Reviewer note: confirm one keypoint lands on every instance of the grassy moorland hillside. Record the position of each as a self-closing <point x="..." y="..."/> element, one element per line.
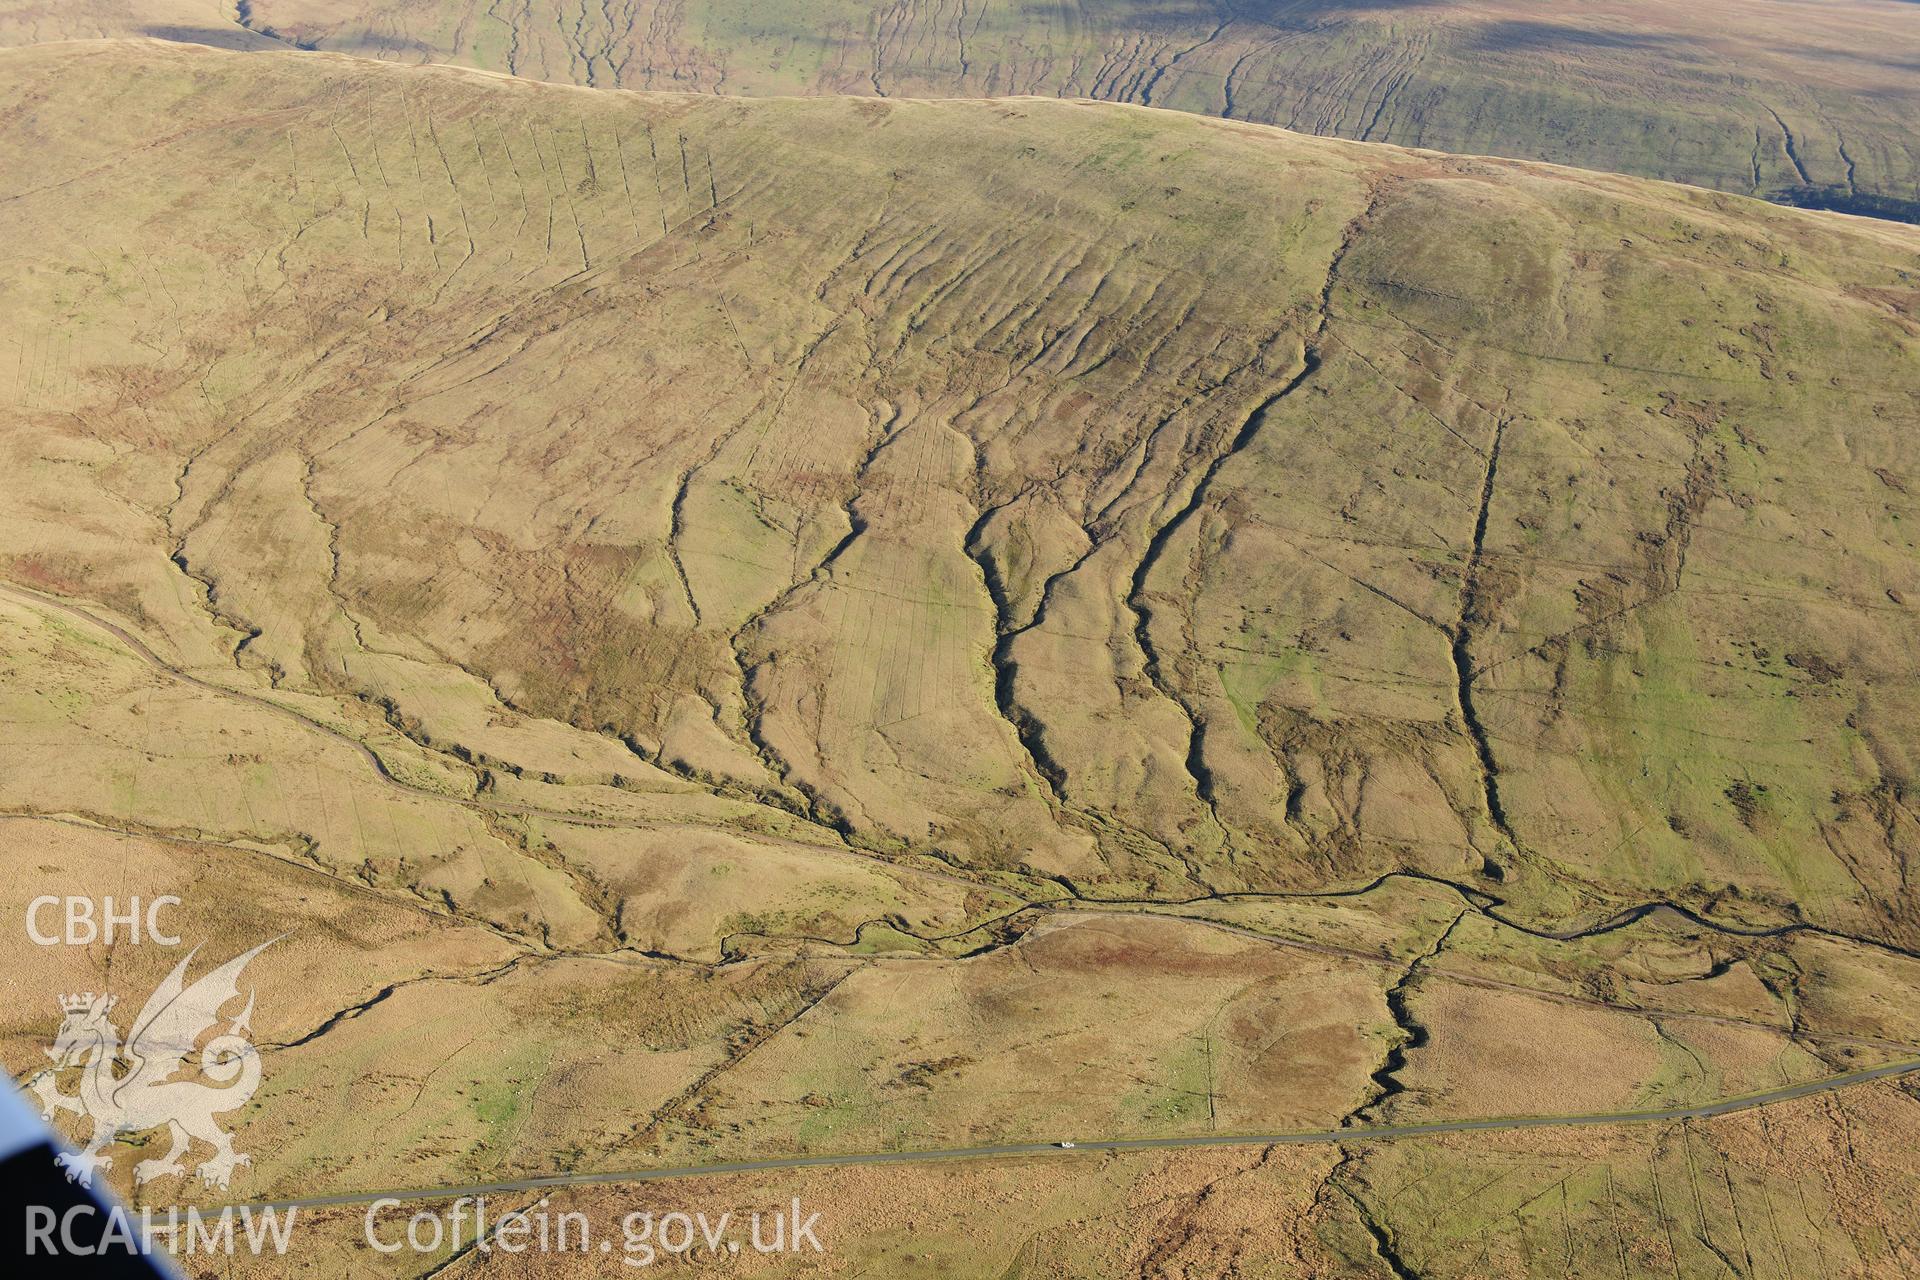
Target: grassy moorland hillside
<point x="1806" y="101"/>
<point x="1113" y="621"/>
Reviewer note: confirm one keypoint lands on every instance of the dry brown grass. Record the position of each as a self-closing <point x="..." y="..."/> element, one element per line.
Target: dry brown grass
<point x="702" y="583"/>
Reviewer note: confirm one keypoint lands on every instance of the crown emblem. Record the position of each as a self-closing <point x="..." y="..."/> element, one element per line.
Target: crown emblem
<point x="130" y="1087"/>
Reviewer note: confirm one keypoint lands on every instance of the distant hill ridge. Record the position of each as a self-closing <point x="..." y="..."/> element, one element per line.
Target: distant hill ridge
<point x="1809" y="104"/>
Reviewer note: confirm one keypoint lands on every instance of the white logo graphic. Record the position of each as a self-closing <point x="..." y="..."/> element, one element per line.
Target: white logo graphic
<point x="147" y="1096"/>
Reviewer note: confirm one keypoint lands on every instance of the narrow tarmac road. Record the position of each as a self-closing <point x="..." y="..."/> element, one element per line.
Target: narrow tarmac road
<point x="1373" y="1133"/>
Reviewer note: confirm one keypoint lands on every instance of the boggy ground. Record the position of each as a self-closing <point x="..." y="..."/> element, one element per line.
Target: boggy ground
<point x="726" y="627"/>
<point x="1813" y="1188"/>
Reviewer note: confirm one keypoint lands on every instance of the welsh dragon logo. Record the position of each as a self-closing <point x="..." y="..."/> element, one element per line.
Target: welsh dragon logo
<point x="132" y="1088"/>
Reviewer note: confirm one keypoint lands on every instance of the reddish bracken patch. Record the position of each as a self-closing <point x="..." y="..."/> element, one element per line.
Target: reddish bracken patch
<point x="35" y="570"/>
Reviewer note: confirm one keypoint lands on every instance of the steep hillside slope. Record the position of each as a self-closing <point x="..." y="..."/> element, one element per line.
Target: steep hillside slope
<point x="928" y="469"/>
<point x="1806" y="101"/>
<point x="728" y="628"/>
